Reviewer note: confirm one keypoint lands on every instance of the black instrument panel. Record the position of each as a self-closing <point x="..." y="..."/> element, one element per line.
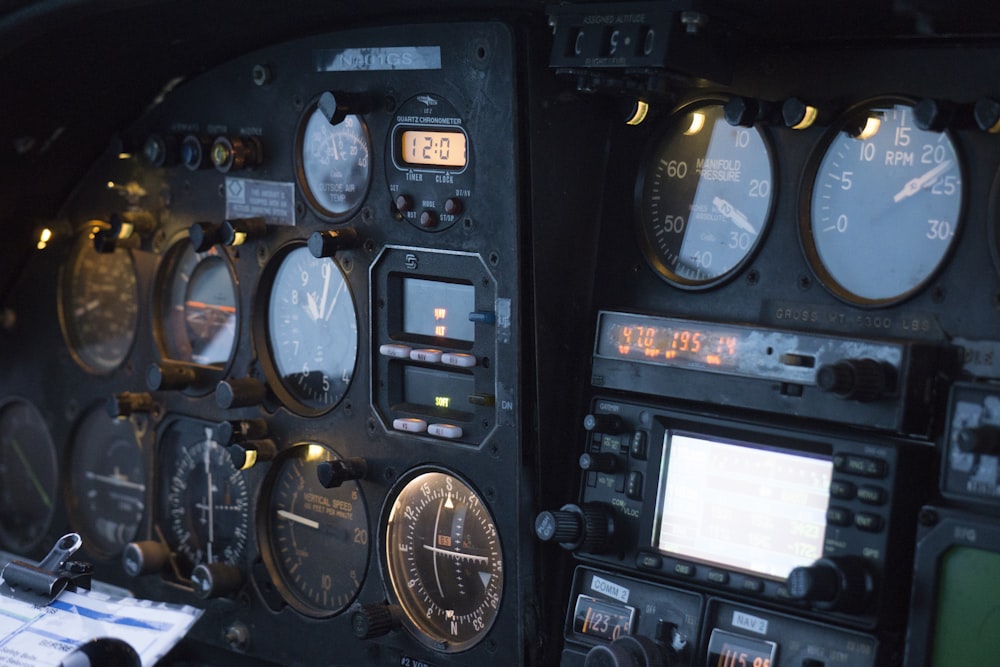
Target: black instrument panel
<point x="388" y="338"/>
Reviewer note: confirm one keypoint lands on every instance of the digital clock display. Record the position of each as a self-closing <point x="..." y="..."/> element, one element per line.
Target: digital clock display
<point x="727" y="649"/>
<point x="434" y="148"/>
<point x="672" y="342"/>
<point x="602" y="619"/>
<point x="742" y="506"/>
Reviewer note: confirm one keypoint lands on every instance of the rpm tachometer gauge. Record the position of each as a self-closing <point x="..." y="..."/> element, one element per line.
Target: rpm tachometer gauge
<point x="885" y="204"/>
<point x="705" y="198"/>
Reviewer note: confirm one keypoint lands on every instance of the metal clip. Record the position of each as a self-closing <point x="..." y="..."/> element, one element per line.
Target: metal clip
<point x="44" y="582"/>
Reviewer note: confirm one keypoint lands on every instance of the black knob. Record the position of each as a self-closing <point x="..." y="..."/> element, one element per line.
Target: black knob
<point x="986" y="112"/>
<point x="588" y="528"/>
<point x="239" y="393"/>
<point x="983" y="439"/>
<point x="857" y="379"/>
<point x="797" y="115"/>
<point x="333" y="473"/>
<point x="213" y="580"/>
<point x="939" y="115"/>
<point x="103" y="652"/>
<point x="249" y="453"/>
<point x="839" y="584"/>
<point x="747" y="111"/>
<point x="602" y="423"/>
<point x="326" y="244"/>
<point x="336" y="106"/>
<point x="127" y="403"/>
<point x="374" y="620"/>
<point x="106" y="241"/>
<point x="598" y="462"/>
<point x="169" y="375"/>
<point x="627" y="651"/>
<point x="204" y="235"/>
<point x="238" y="231"/>
<point x="240" y="430"/>
<point x="128" y="223"/>
<point x="145" y="557"/>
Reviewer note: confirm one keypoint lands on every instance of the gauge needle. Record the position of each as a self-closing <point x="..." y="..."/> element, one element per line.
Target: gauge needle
<point x="914" y="185"/>
<point x="333" y="304"/>
<point x="211" y="499"/>
<point x="31" y="473"/>
<point x="736" y="216"/>
<point x="326" y="290"/>
<point x="311" y="307"/>
<point x="285" y="514"/>
<point x="115" y="481"/>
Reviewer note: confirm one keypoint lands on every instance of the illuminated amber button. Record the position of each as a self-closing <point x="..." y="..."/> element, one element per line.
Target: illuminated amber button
<point x="449" y="431"/>
<point x="428" y="355"/>
<point x="409" y="424"/>
<point x="396" y="351"/>
<point x="459" y="359"/>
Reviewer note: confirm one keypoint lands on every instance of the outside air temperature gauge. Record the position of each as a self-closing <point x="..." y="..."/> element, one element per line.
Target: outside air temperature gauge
<point x="333" y="163"/>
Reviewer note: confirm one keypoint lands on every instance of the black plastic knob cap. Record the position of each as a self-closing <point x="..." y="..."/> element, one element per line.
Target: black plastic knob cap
<point x="857" y="379"/>
<point x="239" y="393"/>
<point x="103" y="652"/>
<point x="627" y="651"/>
<point x="327" y="243"/>
<point x="127" y="403"/>
<point x="204" y="235"/>
<point x="983" y="439"/>
<point x="838" y="584"/>
<point x="240" y="230"/>
<point x="598" y="462"/>
<point x="559" y="526"/>
<point x="213" y="580"/>
<point x="588" y="528"/>
<point x="169" y="375"/>
<point x="145" y="557"/>
<point x="814" y="583"/>
<point x="332" y="474"/>
<point x="374" y="620"/>
<point x="602" y="423"/>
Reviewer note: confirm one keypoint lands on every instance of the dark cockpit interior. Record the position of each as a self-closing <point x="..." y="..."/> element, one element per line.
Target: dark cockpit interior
<point x="652" y="334"/>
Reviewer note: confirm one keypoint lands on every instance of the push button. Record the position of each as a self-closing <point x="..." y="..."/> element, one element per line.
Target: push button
<point x="838" y="516"/>
<point x="450" y="431"/>
<point x="427" y="355"/>
<point x="395" y="351"/>
<point x="409" y="424"/>
<point x="459" y="359"/>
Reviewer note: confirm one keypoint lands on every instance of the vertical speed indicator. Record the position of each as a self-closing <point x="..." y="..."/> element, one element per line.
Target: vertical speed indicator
<point x="705" y="198"/>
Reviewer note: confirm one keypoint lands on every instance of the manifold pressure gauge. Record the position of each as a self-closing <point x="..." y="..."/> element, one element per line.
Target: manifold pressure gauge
<point x="705" y="198"/>
<point x="444" y="560"/>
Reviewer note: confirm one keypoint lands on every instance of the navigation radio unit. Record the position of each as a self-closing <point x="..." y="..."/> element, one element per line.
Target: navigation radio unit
<point x="804" y="521"/>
